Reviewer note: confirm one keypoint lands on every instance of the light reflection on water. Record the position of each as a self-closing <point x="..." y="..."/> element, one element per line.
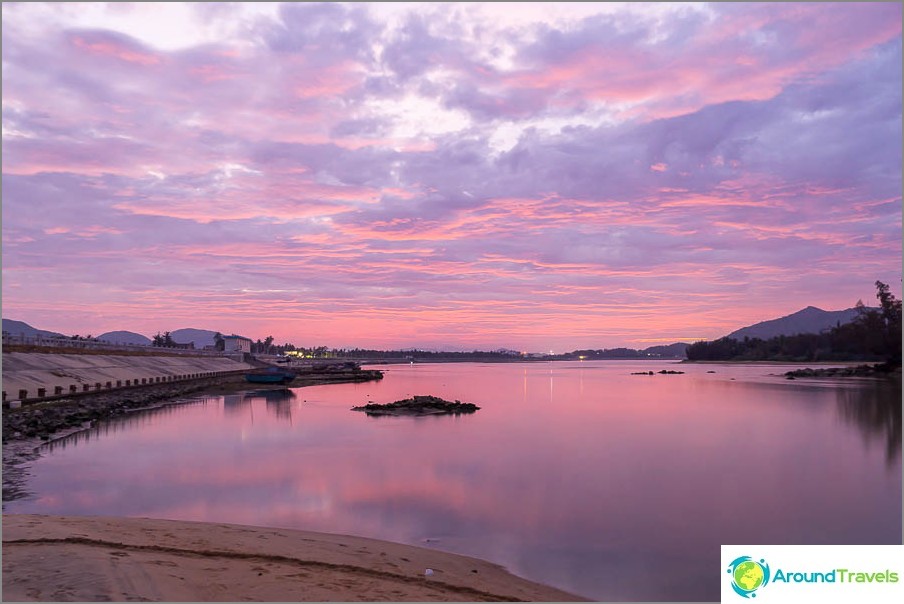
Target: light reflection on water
<point x="575" y="474"/>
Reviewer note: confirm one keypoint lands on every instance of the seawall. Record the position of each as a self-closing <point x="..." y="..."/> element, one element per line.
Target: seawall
<point x="35" y="376"/>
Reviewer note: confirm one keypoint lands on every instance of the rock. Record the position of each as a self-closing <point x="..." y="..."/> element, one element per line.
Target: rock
<point x="858" y="371"/>
<point x="419" y="405"/>
<point x="663" y="372"/>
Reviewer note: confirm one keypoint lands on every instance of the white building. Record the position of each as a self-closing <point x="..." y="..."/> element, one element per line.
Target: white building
<point x="236" y="344"/>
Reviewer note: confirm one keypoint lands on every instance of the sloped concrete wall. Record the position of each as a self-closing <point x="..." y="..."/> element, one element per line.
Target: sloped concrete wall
<point x="33" y="371"/>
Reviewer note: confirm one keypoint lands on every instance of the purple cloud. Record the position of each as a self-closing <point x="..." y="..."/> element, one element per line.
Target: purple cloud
<point x="400" y="176"/>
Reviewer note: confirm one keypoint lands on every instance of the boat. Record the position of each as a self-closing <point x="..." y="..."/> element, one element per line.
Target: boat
<point x="270" y="375"/>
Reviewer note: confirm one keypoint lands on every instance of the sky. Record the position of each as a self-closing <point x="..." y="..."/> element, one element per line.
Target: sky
<point x="452" y="176"/>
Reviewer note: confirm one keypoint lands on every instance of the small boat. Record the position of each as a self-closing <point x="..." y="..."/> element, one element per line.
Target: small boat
<point x="270" y="375"/>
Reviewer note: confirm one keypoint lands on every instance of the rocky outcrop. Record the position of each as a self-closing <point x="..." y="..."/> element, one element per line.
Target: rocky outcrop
<point x="419" y="405"/>
<point x="662" y="372"/>
<point x="858" y="371"/>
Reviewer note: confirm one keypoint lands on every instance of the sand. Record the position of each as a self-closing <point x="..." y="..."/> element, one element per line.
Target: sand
<point x="67" y="558"/>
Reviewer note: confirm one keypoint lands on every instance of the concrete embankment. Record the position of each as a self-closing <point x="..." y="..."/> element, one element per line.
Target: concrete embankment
<point x="37" y="376"/>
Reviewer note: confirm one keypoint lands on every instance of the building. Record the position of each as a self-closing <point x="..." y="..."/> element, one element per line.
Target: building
<point x="236" y="344"/>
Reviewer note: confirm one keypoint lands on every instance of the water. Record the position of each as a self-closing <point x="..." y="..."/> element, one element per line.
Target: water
<point x="579" y="475"/>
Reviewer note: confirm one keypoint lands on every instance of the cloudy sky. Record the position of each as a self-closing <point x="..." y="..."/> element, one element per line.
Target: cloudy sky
<point x="536" y="177"/>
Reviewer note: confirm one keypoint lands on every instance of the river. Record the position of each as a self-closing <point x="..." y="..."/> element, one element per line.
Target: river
<point x="576" y="474"/>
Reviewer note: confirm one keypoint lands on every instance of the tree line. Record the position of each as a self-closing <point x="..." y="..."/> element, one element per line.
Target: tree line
<point x="873" y="336"/>
<point x="423" y="355"/>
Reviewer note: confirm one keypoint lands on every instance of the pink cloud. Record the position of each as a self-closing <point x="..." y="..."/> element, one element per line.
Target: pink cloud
<point x="733" y="59"/>
<point x="115" y="49"/>
<point x="643" y="183"/>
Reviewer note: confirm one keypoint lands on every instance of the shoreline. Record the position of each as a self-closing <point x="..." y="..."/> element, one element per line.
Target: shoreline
<point x="832" y="363"/>
<point x="61" y="413"/>
<point x="48" y="557"/>
<point x="93" y="558"/>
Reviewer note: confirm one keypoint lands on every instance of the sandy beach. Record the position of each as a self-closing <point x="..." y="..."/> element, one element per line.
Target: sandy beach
<point x="57" y="558"/>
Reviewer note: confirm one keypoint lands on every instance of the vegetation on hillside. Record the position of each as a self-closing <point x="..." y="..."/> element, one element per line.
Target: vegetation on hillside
<point x="875" y="335"/>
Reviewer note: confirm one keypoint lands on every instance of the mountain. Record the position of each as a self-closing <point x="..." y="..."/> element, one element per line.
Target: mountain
<point x="200" y="337"/>
<point x="124" y="337"/>
<point x="808" y="320"/>
<point x="17" y="328"/>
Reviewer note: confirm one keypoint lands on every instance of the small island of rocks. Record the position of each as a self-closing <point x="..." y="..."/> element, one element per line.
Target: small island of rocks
<point x="878" y="370"/>
<point x="419" y="405"/>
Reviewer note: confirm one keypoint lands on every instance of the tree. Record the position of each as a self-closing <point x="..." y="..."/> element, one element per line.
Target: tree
<point x="891" y="318"/>
<point x="267" y="342"/>
<point x="163" y="340"/>
<point x="218" y="341"/>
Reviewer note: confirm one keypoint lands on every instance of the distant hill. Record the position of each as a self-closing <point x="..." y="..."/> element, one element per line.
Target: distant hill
<point x="808" y="320"/>
<point x="125" y="337"/>
<point x="18" y="328"/>
<point x="200" y="337"/>
<point x="676" y="350"/>
<point x="672" y="351"/>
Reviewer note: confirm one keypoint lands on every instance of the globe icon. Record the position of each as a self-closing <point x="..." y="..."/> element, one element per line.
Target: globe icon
<point x="748" y="575"/>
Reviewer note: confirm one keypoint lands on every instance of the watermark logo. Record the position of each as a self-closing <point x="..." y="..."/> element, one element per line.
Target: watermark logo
<point x="817" y="573"/>
<point x="748" y="575"/>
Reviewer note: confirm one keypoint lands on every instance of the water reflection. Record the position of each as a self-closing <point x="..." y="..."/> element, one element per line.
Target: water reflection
<point x="621" y="489"/>
<point x="135" y="420"/>
<point x="875" y="408"/>
<point x="278" y="404"/>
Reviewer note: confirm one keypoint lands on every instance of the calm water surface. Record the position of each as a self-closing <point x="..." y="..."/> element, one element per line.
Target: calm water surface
<point x="580" y="475"/>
